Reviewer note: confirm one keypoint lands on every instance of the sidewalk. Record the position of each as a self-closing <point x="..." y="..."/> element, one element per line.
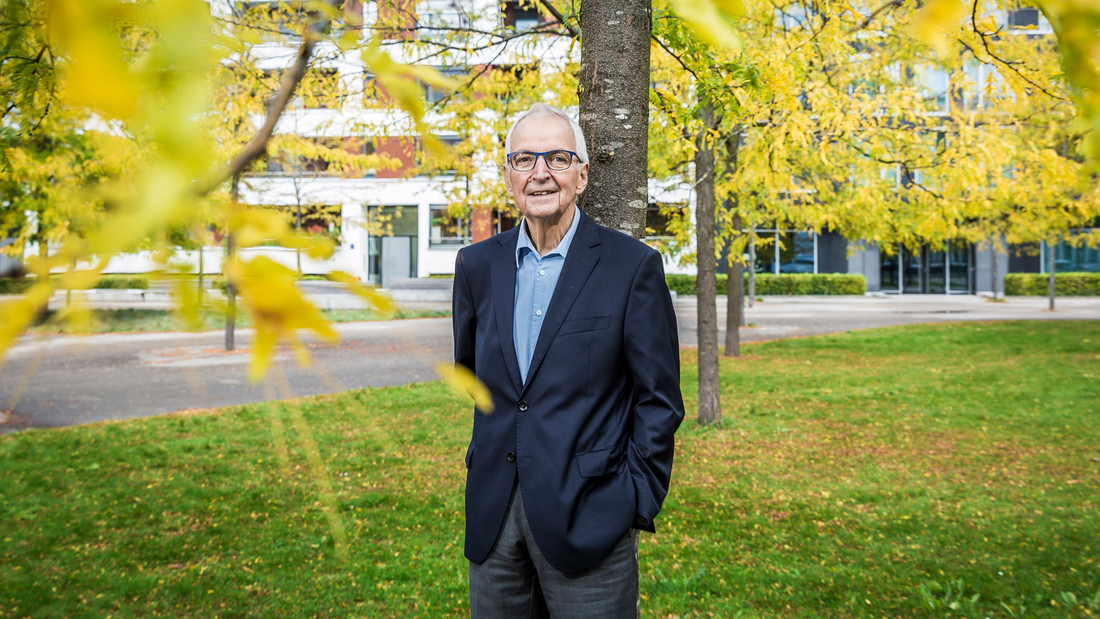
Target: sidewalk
<point x="780" y="317"/>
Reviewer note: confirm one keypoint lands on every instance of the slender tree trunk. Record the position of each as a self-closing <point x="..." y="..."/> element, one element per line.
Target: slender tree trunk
<point x="735" y="285"/>
<point x="202" y="254"/>
<point x="298" y="230"/>
<point x="230" y="289"/>
<point x="710" y="409"/>
<point x="735" y="298"/>
<point x="993" y="252"/>
<point x="1053" y="249"/>
<point x="752" y="270"/>
<point x="614" y="110"/>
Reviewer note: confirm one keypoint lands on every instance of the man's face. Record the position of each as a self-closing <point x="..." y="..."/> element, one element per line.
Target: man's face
<point x="542" y="193"/>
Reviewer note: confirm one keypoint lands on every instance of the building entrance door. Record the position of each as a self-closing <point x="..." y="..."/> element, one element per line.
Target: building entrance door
<point x="391" y="244"/>
<point x="928" y="271"/>
<point x="396" y="263"/>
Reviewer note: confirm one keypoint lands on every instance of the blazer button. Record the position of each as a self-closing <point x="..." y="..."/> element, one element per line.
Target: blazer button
<point x="522" y="406"/>
<point x="511" y="457"/>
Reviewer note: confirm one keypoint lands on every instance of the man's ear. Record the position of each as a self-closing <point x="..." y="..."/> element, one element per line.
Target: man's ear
<point x="582" y="182"/>
<point x="507" y="177"/>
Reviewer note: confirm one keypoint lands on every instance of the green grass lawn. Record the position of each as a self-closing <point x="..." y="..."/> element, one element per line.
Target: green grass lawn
<point x="941" y="471"/>
<point x="147" y="320"/>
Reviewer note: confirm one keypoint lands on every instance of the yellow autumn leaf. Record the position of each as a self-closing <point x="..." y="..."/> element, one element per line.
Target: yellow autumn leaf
<point x="77" y="315"/>
<point x="78" y="280"/>
<point x="461" y="379"/>
<point x="17" y="314"/>
<point x="428" y="75"/>
<point x="934" y="23"/>
<point x="256" y="226"/>
<point x="435" y="146"/>
<point x="277" y="308"/>
<point x="380" y="302"/>
<point x="319" y="248"/>
<point x="708" y="21"/>
<point x="95" y="74"/>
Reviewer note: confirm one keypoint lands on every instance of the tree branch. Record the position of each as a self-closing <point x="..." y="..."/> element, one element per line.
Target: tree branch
<point x="258" y="144"/>
<point x="870" y="18"/>
<point x="561" y="19"/>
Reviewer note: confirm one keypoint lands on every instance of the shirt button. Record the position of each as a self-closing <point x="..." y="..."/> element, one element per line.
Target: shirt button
<point x="522" y="406"/>
<point x="511" y="457"/>
<point x="538" y="312"/>
<point x="542" y="271"/>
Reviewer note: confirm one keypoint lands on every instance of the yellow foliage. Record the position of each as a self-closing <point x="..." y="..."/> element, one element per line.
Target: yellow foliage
<point x="709" y="20"/>
<point x="460" y="378"/>
<point x="380" y="302"/>
<point x="935" y="23"/>
<point x="277" y="308"/>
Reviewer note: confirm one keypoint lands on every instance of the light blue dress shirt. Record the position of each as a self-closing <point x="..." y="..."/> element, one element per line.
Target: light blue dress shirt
<point x="536" y="277"/>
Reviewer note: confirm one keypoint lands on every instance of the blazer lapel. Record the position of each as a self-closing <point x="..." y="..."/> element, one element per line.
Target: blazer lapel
<point x="579" y="262"/>
<point x="503" y="284"/>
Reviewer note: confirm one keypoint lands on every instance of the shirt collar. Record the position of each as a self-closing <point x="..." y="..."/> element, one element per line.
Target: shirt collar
<point x="562" y="249"/>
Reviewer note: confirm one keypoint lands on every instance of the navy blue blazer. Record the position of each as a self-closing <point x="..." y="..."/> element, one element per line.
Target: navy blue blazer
<point x="590" y="434"/>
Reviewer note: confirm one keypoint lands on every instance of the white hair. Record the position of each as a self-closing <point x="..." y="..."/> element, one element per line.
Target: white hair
<point x="542" y="109"/>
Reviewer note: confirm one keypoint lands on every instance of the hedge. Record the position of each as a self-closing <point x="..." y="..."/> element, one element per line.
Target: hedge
<point x="107" y="282"/>
<point x="784" y="284"/>
<point x="1065" y="284"/>
<point x="122" y="282"/>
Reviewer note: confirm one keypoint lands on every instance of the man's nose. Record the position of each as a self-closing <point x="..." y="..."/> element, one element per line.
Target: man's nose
<point x="541" y="169"/>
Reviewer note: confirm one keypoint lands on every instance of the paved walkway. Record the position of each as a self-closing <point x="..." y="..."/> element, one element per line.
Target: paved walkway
<point x="50" y="381"/>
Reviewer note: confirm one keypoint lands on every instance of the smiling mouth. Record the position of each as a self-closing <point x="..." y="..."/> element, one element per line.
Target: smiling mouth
<point x="542" y="193"/>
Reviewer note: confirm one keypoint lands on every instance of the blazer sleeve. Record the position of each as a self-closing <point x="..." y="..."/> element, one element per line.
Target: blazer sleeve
<point x="653" y="359"/>
<point x="463" y="317"/>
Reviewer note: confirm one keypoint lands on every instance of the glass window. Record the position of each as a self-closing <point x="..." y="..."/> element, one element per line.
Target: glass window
<point x="1069" y="259"/>
<point x="447" y="229"/>
<point x="504" y="221"/>
<point x="933" y="89"/>
<point x="389" y="225"/>
<point x="889" y="272"/>
<point x="661" y="219"/>
<point x="959" y="265"/>
<point x="765" y="248"/>
<point x="796" y="252"/>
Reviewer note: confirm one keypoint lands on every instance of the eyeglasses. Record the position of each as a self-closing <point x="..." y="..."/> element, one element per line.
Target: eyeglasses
<point x="557" y="160"/>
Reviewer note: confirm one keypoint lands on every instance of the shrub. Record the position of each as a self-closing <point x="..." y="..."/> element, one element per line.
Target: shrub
<point x="10" y="285"/>
<point x="784" y="284"/>
<point x="1065" y="284"/>
<point x="122" y="282"/>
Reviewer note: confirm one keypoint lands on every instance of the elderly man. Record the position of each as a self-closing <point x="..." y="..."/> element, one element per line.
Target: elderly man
<point x="571" y="327"/>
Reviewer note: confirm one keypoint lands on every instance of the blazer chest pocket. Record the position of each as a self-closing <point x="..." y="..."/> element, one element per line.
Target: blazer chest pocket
<point x="601" y="461"/>
<point x="581" y="325"/>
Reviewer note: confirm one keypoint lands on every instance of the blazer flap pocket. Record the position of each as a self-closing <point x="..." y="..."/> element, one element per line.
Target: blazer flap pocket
<point x="601" y="461"/>
<point x="579" y="325"/>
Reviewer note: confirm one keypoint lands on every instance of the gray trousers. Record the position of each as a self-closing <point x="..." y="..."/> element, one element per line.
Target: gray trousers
<point x="517" y="581"/>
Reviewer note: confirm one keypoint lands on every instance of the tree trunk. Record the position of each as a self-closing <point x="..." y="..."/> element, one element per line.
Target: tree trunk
<point x="230" y="289"/>
<point x="735" y="285"/>
<point x="993" y="252"/>
<point x="735" y="298"/>
<point x="202" y="254"/>
<point x="298" y="230"/>
<point x="710" y="409"/>
<point x="752" y="270"/>
<point x="614" y="111"/>
<point x="1053" y="249"/>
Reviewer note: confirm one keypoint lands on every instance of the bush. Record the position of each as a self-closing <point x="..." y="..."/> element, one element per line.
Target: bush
<point x="9" y="285"/>
<point x="785" y="284"/>
<point x="1065" y="284"/>
<point x="122" y="282"/>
